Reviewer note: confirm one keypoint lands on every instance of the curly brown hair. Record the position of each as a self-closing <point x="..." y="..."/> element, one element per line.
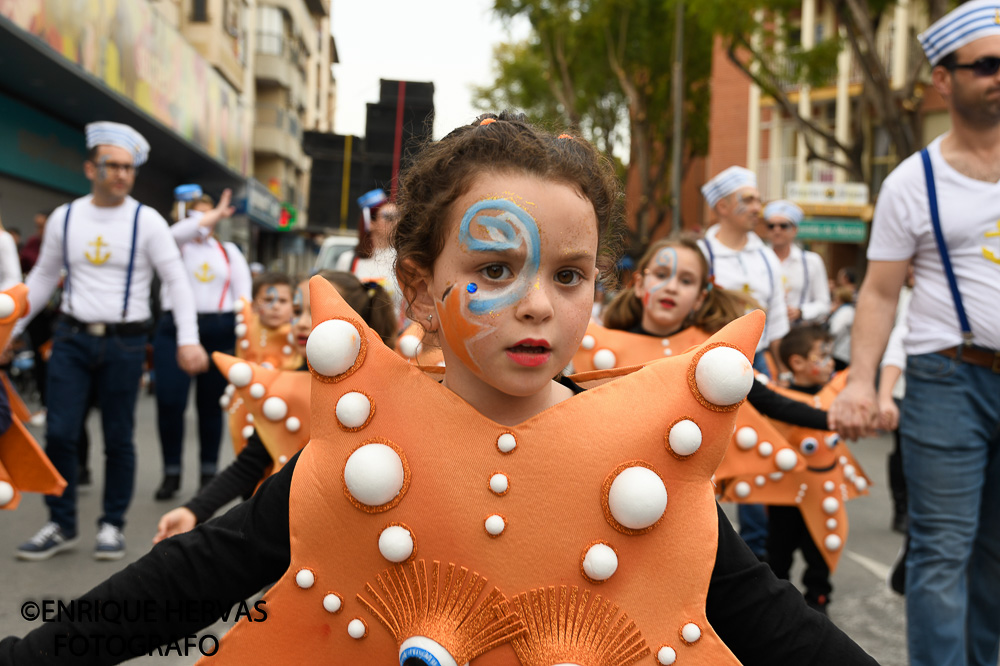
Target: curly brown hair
<point x="443" y="171"/>
<point x="720" y="306"/>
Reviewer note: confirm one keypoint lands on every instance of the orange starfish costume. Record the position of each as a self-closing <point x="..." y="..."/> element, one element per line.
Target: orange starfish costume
<point x="24" y="467"/>
<point x="832" y="477"/>
<point x="410" y="345"/>
<point x="417" y="525"/>
<point x="278" y="401"/>
<point x="257" y="344"/>
<point x="758" y="450"/>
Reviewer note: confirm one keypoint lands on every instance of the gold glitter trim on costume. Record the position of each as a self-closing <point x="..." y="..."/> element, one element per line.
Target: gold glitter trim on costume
<point x="561" y="628"/>
<point x="371" y="413"/>
<point x="362" y="350"/>
<point x="402" y="491"/>
<point x="606" y="489"/>
<point x="583" y="556"/>
<point x="693" y="382"/>
<point x="441" y="607"/>
<point x="666" y="437"/>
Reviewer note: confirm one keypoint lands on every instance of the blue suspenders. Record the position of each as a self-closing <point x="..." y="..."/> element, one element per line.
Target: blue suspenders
<point x="131" y="258"/>
<point x="767" y="264"/>
<point x="805" y="281"/>
<point x="956" y="295"/>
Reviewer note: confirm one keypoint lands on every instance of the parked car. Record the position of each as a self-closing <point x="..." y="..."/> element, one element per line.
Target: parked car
<point x="332" y="249"/>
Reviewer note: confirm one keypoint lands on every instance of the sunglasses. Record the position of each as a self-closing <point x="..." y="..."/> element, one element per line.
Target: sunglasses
<point x="985" y="66"/>
<point x="779" y="225"/>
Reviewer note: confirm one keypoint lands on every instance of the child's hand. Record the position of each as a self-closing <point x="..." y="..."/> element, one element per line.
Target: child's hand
<point x="178" y="521"/>
<point x="888" y="413"/>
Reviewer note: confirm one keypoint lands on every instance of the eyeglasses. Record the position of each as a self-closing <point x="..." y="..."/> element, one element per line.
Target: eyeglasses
<point x="985" y="66"/>
<point x="779" y="225"/>
<point x="115" y="166"/>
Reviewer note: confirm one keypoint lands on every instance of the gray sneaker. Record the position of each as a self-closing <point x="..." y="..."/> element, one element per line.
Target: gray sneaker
<point x="47" y="542"/>
<point x="110" y="543"/>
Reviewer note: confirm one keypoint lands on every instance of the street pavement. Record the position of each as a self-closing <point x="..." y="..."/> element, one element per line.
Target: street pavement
<point x="861" y="604"/>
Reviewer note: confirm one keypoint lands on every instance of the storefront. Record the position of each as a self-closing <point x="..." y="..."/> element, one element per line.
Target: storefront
<point x="837" y="221"/>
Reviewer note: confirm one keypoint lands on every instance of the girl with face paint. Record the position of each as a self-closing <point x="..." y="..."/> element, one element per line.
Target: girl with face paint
<point x="435" y="523"/>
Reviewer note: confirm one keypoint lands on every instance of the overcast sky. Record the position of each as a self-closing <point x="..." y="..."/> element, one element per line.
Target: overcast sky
<point x="447" y="42"/>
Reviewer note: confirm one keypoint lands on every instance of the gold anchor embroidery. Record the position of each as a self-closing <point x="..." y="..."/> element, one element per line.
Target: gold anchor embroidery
<point x="204" y="274"/>
<point x="97" y="258"/>
<point x="995" y="258"/>
<point x="996" y="16"/>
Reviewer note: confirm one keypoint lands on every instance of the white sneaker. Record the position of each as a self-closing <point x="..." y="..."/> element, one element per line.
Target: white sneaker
<point x="110" y="543"/>
<point x="38" y="418"/>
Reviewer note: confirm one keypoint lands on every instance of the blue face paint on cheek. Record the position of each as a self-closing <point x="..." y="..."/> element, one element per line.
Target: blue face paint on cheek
<point x="506" y="231"/>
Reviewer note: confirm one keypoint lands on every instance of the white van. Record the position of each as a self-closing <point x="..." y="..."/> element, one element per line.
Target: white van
<point x="331" y="250"/>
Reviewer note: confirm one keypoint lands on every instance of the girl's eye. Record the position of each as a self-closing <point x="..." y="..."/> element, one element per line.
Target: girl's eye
<point x="568" y="277"/>
<point x="497" y="272"/>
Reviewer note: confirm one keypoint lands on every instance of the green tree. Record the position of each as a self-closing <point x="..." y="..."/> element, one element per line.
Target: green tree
<point x="762" y="40"/>
<point x="604" y="68"/>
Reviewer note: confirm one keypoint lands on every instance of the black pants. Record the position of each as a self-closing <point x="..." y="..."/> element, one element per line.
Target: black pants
<point x="786" y="533"/>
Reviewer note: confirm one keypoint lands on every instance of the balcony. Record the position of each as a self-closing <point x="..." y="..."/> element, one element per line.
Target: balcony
<point x="280" y="61"/>
<point x="277" y="131"/>
<point x="770" y="189"/>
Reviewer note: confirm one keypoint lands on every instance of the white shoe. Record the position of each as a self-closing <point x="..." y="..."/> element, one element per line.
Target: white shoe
<point x="110" y="543"/>
<point x="38" y="418"/>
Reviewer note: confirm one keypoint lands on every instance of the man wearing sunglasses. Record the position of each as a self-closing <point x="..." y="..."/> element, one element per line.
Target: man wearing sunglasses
<point x="106" y="246"/>
<point x="803" y="273"/>
<point x="942" y="209"/>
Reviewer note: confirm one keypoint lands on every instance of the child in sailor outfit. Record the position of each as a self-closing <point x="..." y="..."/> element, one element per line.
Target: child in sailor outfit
<point x="383" y="530"/>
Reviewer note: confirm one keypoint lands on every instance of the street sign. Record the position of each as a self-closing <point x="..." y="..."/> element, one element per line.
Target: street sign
<point x="833" y="230"/>
<point x="844" y="194"/>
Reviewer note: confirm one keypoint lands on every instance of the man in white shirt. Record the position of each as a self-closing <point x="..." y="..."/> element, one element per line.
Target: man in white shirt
<point x="803" y="273"/>
<point x="941" y="208"/>
<point x="738" y="258"/>
<point x="739" y="261"/>
<point x="107" y="245"/>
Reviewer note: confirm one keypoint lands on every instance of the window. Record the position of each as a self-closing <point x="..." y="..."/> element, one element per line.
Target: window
<point x="199" y="11"/>
<point x="270" y="30"/>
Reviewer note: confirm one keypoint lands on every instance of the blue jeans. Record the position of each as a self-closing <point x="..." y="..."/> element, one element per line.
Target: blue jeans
<point x="172" y="386"/>
<point x="753" y="517"/>
<point x="113" y="367"/>
<point x="950" y="434"/>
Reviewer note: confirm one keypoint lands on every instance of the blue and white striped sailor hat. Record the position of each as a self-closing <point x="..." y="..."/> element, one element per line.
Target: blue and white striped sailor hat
<point x="966" y="23"/>
<point x="784" y="208"/>
<point x="727" y="182"/>
<point x="107" y="133"/>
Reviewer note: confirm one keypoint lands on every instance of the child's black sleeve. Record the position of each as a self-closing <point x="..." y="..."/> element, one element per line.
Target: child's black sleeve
<point x="238" y="480"/>
<point x="764" y="620"/>
<point x="181" y="586"/>
<point x="5" y="416"/>
<point x="780" y="408"/>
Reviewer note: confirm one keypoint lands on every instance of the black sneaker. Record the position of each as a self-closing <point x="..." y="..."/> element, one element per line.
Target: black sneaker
<point x="897" y="574"/>
<point x="110" y="543"/>
<point x="47" y="542"/>
<point x="818" y="604"/>
<point x="171" y="484"/>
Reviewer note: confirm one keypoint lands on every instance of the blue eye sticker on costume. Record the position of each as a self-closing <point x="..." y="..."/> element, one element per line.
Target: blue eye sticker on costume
<point x="506" y="231"/>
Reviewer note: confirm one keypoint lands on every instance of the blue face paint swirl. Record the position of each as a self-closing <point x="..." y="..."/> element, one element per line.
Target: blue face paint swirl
<point x="506" y="232"/>
<point x="665" y="258"/>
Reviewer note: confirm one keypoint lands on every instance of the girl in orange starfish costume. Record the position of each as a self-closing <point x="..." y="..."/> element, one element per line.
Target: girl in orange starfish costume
<point x="501" y="516"/>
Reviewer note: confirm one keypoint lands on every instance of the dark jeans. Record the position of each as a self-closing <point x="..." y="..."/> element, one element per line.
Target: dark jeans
<point x="787" y="532"/>
<point x="112" y="366"/>
<point x="172" y="384"/>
